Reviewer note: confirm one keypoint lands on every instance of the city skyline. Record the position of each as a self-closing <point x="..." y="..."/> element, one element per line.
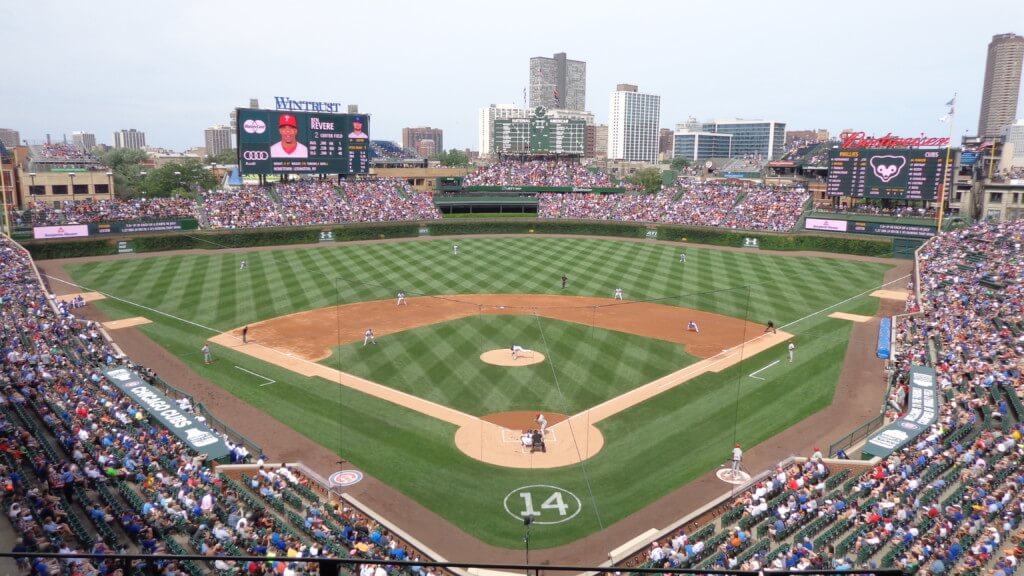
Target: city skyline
<point x="881" y="68"/>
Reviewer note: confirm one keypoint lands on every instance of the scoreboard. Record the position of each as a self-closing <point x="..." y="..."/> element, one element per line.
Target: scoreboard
<point x="539" y="134"/>
<point x="286" y="142"/>
<point x="886" y="173"/>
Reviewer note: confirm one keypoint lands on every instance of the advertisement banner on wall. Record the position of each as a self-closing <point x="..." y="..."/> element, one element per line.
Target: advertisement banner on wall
<point x="186" y="427"/>
<point x="68" y="231"/>
<point x="826" y="225"/>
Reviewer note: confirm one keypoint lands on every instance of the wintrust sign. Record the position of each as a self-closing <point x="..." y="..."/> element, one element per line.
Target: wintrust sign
<point x="286" y="103"/>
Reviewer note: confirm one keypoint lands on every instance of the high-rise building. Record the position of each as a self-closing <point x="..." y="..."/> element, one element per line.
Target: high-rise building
<point x="1002" y="84"/>
<point x="697" y="145"/>
<point x="130" y="138"/>
<point x="1013" y="136"/>
<point x="425" y="148"/>
<point x="218" y="139"/>
<point x="83" y="140"/>
<point x="411" y="137"/>
<point x="764" y="139"/>
<point x="633" y="124"/>
<point x="601" y="141"/>
<point x="557" y="83"/>
<point x="10" y="137"/>
<point x="665" y="142"/>
<point x="485" y="123"/>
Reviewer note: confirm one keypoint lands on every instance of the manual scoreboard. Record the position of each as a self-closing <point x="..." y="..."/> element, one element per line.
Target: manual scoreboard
<point x="539" y="134"/>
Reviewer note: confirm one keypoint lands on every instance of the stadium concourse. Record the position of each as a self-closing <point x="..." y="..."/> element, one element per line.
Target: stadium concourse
<point x="85" y="470"/>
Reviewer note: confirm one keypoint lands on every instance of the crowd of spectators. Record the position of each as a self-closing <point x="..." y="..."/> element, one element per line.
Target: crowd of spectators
<point x="85" y="469"/>
<point x="555" y="173"/>
<point x="711" y="203"/>
<point x="62" y="151"/>
<point x="879" y="209"/>
<point x="319" y="202"/>
<point x="950" y="501"/>
<point x="105" y="210"/>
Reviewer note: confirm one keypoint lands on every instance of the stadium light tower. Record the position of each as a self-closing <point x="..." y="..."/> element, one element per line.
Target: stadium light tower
<point x="110" y="185"/>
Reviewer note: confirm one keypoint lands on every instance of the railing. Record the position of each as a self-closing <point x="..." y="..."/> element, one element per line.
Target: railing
<point x="153" y="565"/>
<point x="214" y="422"/>
<point x="862" y="432"/>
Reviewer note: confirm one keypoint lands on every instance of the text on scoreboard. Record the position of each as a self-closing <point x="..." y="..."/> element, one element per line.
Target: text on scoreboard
<point x="897" y="173"/>
<point x="278" y="142"/>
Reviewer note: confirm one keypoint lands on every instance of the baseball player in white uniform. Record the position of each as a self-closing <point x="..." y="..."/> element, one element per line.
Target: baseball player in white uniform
<point x="737" y="457"/>
<point x="243" y="265"/>
<point x="455" y="249"/>
<point x="618" y="293"/>
<point x="792" y="350"/>
<point x="368" y="337"/>
<point x="516" y="351"/>
<point x="542" y="422"/>
<point x="682" y="258"/>
<point x="692" y="327"/>
<point x="401" y="299"/>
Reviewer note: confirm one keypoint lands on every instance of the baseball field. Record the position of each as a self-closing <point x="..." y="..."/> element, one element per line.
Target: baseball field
<point x="395" y="409"/>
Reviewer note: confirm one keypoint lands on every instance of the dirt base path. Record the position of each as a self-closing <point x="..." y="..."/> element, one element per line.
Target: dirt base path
<point x="857" y="400"/>
<point x="298" y="341"/>
<point x="313" y="334"/>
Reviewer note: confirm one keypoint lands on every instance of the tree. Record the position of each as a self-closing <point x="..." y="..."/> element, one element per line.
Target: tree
<point x="649" y="178"/>
<point x="679" y="164"/>
<point x="126" y="164"/>
<point x="229" y="156"/>
<point x="452" y="157"/>
<point x="178" y="179"/>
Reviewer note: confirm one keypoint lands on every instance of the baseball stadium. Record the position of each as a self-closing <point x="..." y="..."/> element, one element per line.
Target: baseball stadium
<point x="311" y="375"/>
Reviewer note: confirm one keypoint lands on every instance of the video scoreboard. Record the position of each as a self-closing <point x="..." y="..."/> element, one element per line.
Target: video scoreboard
<point x="286" y="142"/>
<point x="539" y="134"/>
<point x="886" y="173"/>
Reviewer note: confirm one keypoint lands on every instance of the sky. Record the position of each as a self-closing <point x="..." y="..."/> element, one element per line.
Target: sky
<point x="172" y="69"/>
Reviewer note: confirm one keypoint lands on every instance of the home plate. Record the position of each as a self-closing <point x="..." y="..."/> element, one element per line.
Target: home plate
<point x="737" y="477"/>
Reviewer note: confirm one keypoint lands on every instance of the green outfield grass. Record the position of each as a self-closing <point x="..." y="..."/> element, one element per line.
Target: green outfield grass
<point x="650" y="449"/>
<point x="584" y="366"/>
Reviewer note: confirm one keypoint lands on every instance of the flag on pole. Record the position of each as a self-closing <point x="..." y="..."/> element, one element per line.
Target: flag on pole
<point x="524" y="96"/>
<point x="952" y="110"/>
<point x="557" y="102"/>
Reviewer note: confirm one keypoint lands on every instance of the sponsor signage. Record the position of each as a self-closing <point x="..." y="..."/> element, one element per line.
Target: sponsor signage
<point x="875" y="228"/>
<point x="67" y="231"/>
<point x="286" y="103"/>
<point x="781" y="164"/>
<point x="968" y="158"/>
<point x="144" y="226"/>
<point x="195" y="434"/>
<point x="860" y="140"/>
<point x="125" y="247"/>
<point x="922" y="412"/>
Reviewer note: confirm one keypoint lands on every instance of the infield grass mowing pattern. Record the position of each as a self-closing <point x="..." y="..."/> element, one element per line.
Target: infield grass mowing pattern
<point x="583" y="366"/>
<point x="650" y="449"/>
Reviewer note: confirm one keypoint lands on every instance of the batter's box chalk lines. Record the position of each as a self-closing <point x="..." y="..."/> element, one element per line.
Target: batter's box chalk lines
<point x="268" y="380"/>
<point x="515" y="436"/>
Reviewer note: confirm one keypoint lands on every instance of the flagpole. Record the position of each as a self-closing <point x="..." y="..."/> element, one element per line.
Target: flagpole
<point x="945" y="167"/>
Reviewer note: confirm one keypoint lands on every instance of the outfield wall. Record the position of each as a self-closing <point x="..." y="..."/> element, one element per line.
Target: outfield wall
<point x="220" y="239"/>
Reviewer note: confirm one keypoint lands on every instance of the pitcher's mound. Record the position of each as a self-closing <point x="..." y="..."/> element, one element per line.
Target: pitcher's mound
<point x="503" y="357"/>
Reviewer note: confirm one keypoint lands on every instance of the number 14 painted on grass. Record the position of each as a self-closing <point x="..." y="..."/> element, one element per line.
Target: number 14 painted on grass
<point x="554" y="502"/>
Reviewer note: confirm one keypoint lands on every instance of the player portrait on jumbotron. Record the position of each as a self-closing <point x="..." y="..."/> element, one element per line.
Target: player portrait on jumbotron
<point x="357" y="128"/>
<point x="289" y="146"/>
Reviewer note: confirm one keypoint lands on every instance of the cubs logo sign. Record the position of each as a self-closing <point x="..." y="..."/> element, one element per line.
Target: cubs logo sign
<point x="345" y="478"/>
<point x="887" y="167"/>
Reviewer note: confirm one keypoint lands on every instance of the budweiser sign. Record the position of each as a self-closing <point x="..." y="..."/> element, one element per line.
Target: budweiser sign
<point x="860" y="140"/>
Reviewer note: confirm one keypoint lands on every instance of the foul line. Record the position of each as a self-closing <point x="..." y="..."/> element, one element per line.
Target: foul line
<point x="763" y="369"/>
<point x="868" y="291"/>
<point x="134" y="304"/>
<point x="269" y="381"/>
